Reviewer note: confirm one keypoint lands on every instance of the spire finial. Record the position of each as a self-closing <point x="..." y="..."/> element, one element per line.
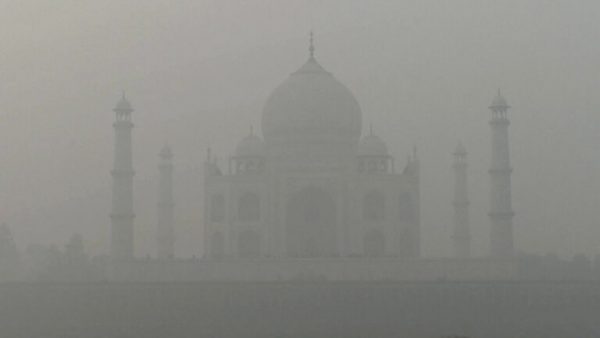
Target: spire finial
<point x="370" y="129"/>
<point x="251" y="130"/>
<point x="311" y="47"/>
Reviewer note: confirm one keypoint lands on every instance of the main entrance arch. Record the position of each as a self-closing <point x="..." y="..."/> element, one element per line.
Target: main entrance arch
<point x="311" y="224"/>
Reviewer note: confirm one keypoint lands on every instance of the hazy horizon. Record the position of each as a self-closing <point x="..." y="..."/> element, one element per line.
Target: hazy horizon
<point x="198" y="73"/>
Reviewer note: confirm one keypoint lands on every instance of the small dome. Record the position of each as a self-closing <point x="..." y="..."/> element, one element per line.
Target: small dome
<point x="499" y="102"/>
<point x="123" y="105"/>
<point x="251" y="145"/>
<point x="372" y="145"/>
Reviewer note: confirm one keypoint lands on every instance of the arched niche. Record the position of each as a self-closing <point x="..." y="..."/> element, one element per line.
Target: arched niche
<point x="249" y="207"/>
<point x="374" y="206"/>
<point x="217" y="208"/>
<point x="406" y="208"/>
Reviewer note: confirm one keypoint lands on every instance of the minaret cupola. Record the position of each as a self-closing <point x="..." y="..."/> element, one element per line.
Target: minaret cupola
<point x="123" y="109"/>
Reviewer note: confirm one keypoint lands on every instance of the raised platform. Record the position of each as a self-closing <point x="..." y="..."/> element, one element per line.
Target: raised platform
<point x="331" y="269"/>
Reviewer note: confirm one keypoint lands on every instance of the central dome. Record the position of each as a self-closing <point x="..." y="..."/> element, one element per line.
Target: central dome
<point x="311" y="103"/>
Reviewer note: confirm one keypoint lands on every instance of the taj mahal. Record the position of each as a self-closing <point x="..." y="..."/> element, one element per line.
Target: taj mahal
<point x="311" y="199"/>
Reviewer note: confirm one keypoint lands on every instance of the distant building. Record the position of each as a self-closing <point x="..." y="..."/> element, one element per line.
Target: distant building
<point x="165" y="234"/>
<point x="10" y="268"/>
<point x="313" y="187"/>
<point x="313" y="199"/>
<point x="461" y="234"/>
<point x="501" y="213"/>
<point x="122" y="216"/>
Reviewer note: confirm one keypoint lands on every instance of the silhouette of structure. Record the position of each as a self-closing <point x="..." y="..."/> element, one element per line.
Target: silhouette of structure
<point x="312" y="188"/>
<point x="461" y="234"/>
<point x="165" y="233"/>
<point x="10" y="261"/>
<point x="313" y="200"/>
<point x="501" y="213"/>
<point x="122" y="216"/>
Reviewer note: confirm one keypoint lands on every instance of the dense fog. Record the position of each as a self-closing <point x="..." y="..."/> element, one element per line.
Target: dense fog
<point x="299" y="168"/>
<point x="198" y="74"/>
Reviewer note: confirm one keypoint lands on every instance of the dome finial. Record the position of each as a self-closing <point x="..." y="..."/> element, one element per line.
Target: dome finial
<point x="311" y="47"/>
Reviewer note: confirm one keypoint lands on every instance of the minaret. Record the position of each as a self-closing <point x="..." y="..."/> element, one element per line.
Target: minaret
<point x="121" y="245"/>
<point x="311" y="47"/>
<point x="417" y="205"/>
<point x="165" y="233"/>
<point x="461" y="234"/>
<point x="501" y="213"/>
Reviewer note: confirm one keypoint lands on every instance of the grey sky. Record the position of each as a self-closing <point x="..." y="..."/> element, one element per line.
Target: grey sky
<point x="424" y="73"/>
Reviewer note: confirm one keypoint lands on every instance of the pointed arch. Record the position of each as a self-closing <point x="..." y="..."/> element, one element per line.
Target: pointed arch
<point x="249" y="207"/>
<point x="311" y="223"/>
<point x="374" y="206"/>
<point x="406" y="208"/>
<point x="217" y="208"/>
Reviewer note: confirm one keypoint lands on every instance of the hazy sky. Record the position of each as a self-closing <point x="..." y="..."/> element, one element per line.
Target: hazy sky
<point x="424" y="73"/>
